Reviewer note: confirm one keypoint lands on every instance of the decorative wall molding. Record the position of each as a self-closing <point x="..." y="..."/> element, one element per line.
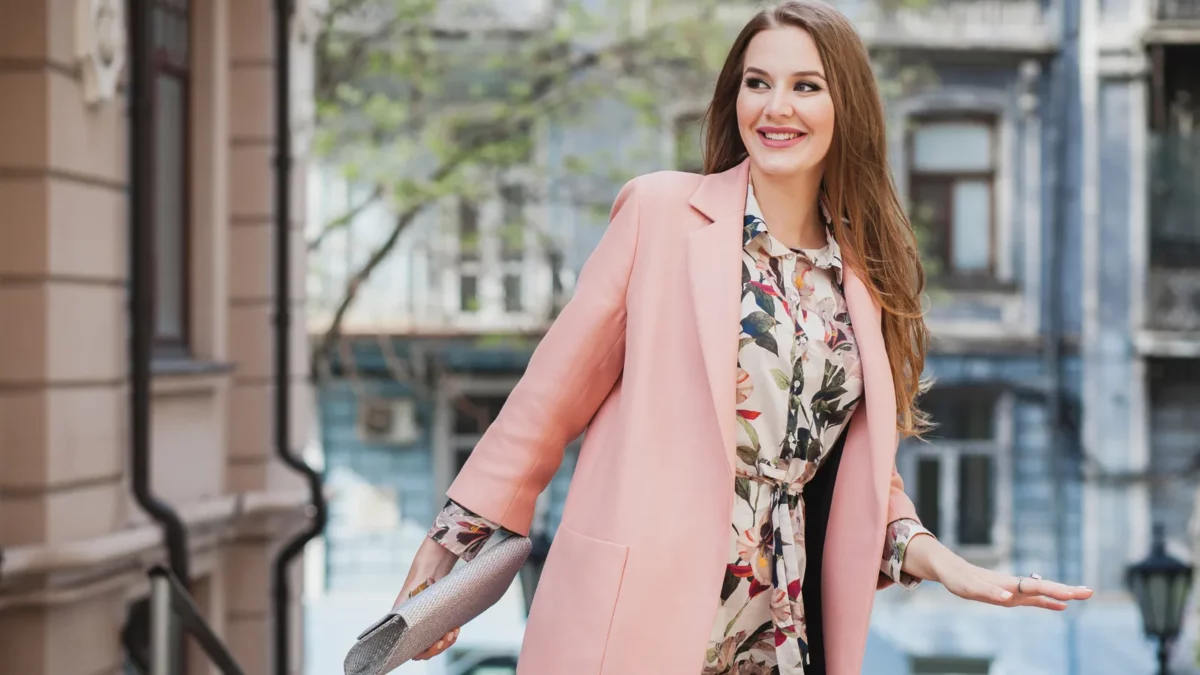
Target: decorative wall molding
<point x="100" y="47"/>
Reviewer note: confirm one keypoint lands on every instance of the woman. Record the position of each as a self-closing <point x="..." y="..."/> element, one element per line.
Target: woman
<point x="736" y="342"/>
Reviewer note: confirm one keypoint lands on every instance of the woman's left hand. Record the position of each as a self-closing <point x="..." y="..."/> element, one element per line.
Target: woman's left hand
<point x="977" y="583"/>
<point x="983" y="585"/>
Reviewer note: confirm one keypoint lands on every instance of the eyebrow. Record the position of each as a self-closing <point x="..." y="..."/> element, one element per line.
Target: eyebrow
<point x="799" y="73"/>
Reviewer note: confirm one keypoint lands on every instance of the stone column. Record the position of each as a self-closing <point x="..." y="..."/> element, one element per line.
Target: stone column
<point x="62" y="270"/>
<point x="252" y="465"/>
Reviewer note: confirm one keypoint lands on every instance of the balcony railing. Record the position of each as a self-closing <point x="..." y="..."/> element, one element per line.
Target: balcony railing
<point x="996" y="25"/>
<point x="1179" y="10"/>
<point x="173" y="612"/>
<point x="1175" y="232"/>
<point x="1018" y="25"/>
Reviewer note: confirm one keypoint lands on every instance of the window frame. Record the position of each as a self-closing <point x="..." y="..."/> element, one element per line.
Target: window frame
<point x="469" y="259"/>
<point x="916" y="177"/>
<point x="494" y="261"/>
<point x="164" y="65"/>
<point x="949" y="453"/>
<point x="449" y="443"/>
<point x="513" y="259"/>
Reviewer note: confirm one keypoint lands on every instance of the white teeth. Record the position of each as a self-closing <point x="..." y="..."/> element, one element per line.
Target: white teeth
<point x="780" y="137"/>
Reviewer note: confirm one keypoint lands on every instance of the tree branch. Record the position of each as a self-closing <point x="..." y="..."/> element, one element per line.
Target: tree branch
<point x="342" y="221"/>
<point x="537" y="101"/>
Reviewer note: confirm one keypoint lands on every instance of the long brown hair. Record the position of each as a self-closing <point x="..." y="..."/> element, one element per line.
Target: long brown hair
<point x="877" y="238"/>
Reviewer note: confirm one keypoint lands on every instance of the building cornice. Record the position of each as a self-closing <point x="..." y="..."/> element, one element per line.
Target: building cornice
<point x="47" y="574"/>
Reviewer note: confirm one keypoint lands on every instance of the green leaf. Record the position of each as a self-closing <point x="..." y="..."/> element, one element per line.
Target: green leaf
<point x="747" y="454"/>
<point x="781" y="379"/>
<point x="767" y="342"/>
<point x="750" y="432"/>
<point x="741" y="487"/>
<point x="757" y="323"/>
<point x="729" y="585"/>
<point x="763" y="299"/>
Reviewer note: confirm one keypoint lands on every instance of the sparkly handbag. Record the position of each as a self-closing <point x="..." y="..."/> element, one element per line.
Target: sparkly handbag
<point x="419" y="621"/>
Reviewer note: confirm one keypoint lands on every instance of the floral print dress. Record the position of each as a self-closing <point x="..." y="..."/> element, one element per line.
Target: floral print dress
<point x="798" y="381"/>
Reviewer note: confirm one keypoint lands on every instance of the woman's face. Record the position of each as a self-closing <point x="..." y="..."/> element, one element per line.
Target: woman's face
<point x="784" y="111"/>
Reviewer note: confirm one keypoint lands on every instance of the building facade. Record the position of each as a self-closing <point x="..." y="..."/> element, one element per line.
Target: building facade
<point x="1049" y="156"/>
<point x="75" y="543"/>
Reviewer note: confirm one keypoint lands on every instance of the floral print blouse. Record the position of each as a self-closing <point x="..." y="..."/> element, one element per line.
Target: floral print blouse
<point x="798" y="381"/>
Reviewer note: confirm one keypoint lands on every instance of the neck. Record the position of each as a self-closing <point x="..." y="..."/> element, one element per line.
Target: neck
<point x="790" y="206"/>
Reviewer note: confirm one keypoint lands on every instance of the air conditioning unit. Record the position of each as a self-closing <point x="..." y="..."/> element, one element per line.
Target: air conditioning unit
<point x="383" y="420"/>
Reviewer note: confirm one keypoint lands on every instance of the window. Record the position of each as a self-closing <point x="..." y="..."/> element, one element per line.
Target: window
<point x="951" y="182"/>
<point x="469" y="255"/>
<point x="472" y="415"/>
<point x="512" y="293"/>
<point x="689" y="142"/>
<point x="955" y="476"/>
<point x="171" y="97"/>
<point x="468" y="292"/>
<point x="512" y="244"/>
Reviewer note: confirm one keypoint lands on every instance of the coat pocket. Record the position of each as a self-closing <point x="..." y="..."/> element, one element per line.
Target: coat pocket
<point x="573" y="608"/>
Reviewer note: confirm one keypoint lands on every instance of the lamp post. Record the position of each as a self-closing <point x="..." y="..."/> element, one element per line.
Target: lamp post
<point x="1161" y="584"/>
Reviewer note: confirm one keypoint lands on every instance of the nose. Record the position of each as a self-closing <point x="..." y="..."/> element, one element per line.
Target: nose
<point x="779" y="105"/>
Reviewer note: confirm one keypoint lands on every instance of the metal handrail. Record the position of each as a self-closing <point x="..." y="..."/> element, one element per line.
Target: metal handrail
<point x="172" y="608"/>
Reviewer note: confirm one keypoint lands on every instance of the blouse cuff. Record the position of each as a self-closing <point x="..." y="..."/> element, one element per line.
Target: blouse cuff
<point x="461" y="532"/>
<point x="899" y="533"/>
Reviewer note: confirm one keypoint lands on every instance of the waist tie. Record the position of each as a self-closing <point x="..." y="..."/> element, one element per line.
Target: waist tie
<point x="769" y="474"/>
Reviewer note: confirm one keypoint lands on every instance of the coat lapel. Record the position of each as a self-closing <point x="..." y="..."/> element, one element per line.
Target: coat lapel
<point x="714" y="270"/>
<point x="879" y="391"/>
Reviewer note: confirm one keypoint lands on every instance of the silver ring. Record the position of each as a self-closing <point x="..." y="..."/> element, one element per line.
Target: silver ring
<point x="1035" y="576"/>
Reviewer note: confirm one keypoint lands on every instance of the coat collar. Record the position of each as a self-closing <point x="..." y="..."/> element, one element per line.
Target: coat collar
<point x="714" y="270"/>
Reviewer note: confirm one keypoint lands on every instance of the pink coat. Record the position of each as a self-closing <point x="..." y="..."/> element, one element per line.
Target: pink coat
<point x="644" y="356"/>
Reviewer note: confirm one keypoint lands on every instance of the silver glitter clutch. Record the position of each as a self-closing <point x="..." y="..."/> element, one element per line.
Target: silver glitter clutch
<point x="421" y="620"/>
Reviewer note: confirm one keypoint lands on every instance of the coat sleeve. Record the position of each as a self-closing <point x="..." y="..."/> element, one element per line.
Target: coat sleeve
<point x="571" y="372"/>
<point x="903" y="525"/>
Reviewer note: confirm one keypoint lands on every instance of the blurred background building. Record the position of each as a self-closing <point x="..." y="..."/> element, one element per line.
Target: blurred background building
<point x="1048" y="153"/>
<point x="75" y="543"/>
<point x="465" y="154"/>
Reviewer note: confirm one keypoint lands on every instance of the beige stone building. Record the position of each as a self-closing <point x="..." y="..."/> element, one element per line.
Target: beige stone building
<point x="75" y="544"/>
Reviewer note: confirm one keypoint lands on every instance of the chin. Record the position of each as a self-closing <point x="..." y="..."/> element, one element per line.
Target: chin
<point x="779" y="166"/>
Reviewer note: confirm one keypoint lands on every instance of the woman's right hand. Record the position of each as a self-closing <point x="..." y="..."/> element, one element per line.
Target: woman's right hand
<point x="432" y="562"/>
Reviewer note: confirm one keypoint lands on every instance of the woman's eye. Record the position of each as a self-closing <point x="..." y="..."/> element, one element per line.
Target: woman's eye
<point x="807" y="87"/>
<point x="755" y="83"/>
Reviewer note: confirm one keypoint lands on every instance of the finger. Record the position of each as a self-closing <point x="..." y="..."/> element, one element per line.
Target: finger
<point x="985" y="591"/>
<point x="435" y="649"/>
<point x="1049" y="588"/>
<point x="438" y="647"/>
<point x="1045" y="602"/>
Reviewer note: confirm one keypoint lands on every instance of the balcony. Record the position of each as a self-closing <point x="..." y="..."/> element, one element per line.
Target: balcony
<point x="1020" y="26"/>
<point x="1174" y="277"/>
<point x="1179" y="10"/>
<point x="1013" y="26"/>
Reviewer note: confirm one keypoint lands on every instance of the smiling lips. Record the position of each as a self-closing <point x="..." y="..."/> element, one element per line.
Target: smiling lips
<point x="780" y="137"/>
